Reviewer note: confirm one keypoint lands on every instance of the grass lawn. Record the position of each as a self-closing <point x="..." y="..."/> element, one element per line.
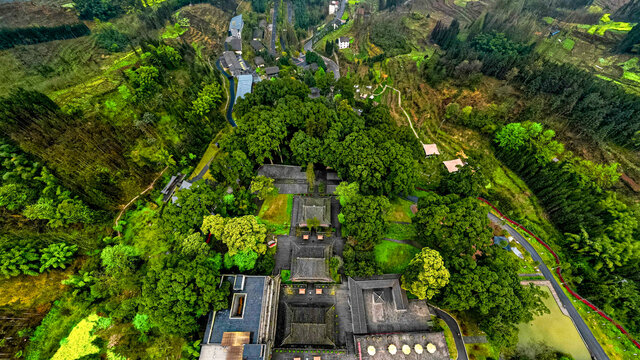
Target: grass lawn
<point x="400" y="211"/>
<point x="333" y="35"/>
<point x="568" y="44"/>
<point x="554" y="329"/>
<point x="276" y="212"/>
<point x="209" y="154"/>
<point x="401" y="231"/>
<point x="392" y="257"/>
<point x="462" y="3"/>
<point x="481" y="351"/>
<point x="614" y="343"/>
<point x="448" y="336"/>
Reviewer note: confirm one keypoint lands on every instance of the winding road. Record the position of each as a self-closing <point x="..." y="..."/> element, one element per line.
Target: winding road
<point x="232" y="94"/>
<point x="455" y="330"/>
<point x="594" y="347"/>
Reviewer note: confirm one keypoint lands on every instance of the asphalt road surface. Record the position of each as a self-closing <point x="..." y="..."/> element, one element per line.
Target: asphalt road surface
<point x="308" y="46"/>
<point x="590" y="341"/>
<point x="455" y="329"/>
<point x="332" y="66"/>
<point x="273" y="28"/>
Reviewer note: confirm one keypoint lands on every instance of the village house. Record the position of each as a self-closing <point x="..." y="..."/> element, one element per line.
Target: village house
<point x="343" y="42"/>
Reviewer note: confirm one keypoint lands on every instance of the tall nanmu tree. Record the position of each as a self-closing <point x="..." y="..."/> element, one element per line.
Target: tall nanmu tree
<point x="426" y="274"/>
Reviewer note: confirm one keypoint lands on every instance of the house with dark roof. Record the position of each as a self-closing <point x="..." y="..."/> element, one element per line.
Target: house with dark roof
<point x="343" y="42"/>
<point x="173" y="184"/>
<point x="314" y="208"/>
<point x="256" y="45"/>
<point x="183" y="185"/>
<point x="230" y="61"/>
<point x="310" y="262"/>
<point x="236" y="45"/>
<point x="258" y="33"/>
<point x="246" y="330"/>
<point x="259" y="61"/>
<point x="272" y="71"/>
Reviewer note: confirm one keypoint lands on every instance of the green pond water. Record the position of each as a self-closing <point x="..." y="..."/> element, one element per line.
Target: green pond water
<point x="554" y="329"/>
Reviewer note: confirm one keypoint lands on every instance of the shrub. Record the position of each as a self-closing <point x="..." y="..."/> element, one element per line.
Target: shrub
<point x="109" y="38"/>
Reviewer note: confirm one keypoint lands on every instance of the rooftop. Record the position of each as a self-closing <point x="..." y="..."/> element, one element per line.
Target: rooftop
<point x="430" y="149"/>
<point x="236" y="44"/>
<point x="231" y="61"/>
<point x="244" y="315"/>
<point x="183" y="185"/>
<point x="245" y="83"/>
<point x="256" y="45"/>
<point x="258" y="60"/>
<point x="309" y="262"/>
<point x="314" y="208"/>
<point x="306" y="319"/>
<point x="272" y="70"/>
<point x="453" y="165"/>
<point x="344" y="39"/>
<point x="309" y="324"/>
<point x="380" y="305"/>
<point x="236" y="23"/>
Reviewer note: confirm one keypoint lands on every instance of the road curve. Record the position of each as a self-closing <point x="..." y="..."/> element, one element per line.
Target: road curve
<point x="232" y="94"/>
<point x="332" y="66"/>
<point x="455" y="330"/>
<point x="590" y="341"/>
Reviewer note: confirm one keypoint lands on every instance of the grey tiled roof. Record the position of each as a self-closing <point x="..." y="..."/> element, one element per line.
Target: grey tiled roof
<point x="273" y="70"/>
<point x="357" y="301"/>
<point x="254" y="288"/>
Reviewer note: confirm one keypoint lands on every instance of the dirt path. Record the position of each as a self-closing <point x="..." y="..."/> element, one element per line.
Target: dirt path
<point x="401" y="108"/>
<point x="138" y="196"/>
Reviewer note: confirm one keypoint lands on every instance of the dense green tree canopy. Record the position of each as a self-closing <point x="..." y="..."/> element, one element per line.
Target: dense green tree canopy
<point x="489" y="289"/>
<point x="364" y="217"/>
<point x="263" y="186"/>
<point x="190" y="207"/>
<point x="239" y="234"/>
<point x="178" y="290"/>
<point x="453" y="225"/>
<point x="425" y="275"/>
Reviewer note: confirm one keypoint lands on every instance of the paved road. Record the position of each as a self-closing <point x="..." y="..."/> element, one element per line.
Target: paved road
<point x="340" y="12"/>
<point x="232" y="94"/>
<point x="590" y="341"/>
<point x="273" y="28"/>
<point x="308" y="46"/>
<point x="332" y="66"/>
<point x="455" y="329"/>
